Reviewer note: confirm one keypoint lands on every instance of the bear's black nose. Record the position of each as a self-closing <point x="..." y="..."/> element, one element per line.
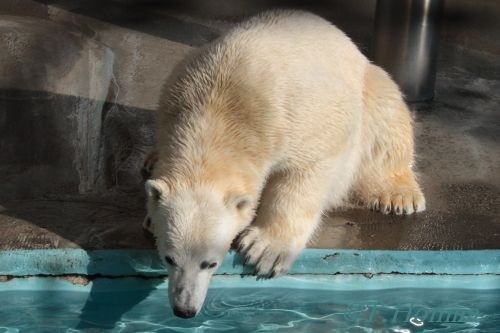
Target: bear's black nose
<point x="184" y="313"/>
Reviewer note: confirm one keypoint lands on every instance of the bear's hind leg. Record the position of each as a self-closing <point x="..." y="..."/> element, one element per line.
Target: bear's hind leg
<point x="386" y="181"/>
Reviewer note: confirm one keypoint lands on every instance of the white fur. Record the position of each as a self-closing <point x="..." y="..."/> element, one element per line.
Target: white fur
<point x="284" y="110"/>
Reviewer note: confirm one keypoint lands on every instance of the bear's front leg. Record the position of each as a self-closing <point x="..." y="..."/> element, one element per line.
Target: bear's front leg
<point x="290" y="209"/>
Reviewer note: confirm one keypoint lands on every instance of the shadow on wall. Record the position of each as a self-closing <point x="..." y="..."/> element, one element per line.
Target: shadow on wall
<point x="165" y="19"/>
<point x="40" y="173"/>
<point x="42" y="143"/>
<point x="145" y="17"/>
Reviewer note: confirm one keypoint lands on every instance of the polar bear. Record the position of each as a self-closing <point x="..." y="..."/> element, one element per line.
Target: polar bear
<point x="260" y="133"/>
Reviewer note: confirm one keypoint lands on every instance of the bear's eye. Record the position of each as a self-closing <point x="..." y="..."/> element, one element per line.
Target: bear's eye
<point x="206" y="264"/>
<point x="170" y="261"/>
<point x="243" y="202"/>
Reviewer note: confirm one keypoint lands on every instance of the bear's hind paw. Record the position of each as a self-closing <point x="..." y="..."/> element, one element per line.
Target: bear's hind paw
<point x="405" y="203"/>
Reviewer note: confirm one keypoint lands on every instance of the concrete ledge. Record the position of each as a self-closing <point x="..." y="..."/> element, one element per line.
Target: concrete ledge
<point x="311" y="261"/>
<point x="343" y="282"/>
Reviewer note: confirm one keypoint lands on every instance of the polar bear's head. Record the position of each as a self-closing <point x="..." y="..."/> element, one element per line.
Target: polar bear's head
<point x="194" y="228"/>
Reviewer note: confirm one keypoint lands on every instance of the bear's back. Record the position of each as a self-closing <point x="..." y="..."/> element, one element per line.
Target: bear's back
<point x="308" y="73"/>
<point x="278" y="73"/>
<point x="292" y="53"/>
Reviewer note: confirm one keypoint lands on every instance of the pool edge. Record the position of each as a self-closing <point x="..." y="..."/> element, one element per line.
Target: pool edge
<point x="311" y="261"/>
<point x="343" y="282"/>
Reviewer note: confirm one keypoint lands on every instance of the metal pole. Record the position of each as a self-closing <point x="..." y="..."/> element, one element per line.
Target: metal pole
<point x="406" y="42"/>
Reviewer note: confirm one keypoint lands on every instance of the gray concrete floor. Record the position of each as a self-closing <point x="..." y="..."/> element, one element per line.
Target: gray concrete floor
<point x="458" y="158"/>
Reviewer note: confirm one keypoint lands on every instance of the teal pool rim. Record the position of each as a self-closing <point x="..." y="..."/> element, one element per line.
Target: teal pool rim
<point x="340" y="282"/>
<point x="311" y="261"/>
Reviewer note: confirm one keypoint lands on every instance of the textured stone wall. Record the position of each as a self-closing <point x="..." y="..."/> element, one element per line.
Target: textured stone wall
<point x="77" y="97"/>
<point x="53" y="86"/>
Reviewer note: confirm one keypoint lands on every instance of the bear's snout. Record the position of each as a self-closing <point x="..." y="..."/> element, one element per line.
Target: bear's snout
<point x="184" y="313"/>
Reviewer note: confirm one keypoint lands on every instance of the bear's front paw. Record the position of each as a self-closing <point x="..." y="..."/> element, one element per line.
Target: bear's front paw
<point x="270" y="256"/>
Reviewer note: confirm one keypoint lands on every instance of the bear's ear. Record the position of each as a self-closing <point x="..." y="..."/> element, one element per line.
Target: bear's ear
<point x="240" y="201"/>
<point x="153" y="189"/>
<point x="148" y="166"/>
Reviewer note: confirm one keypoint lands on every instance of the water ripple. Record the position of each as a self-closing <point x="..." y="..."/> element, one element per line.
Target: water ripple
<point x="255" y="310"/>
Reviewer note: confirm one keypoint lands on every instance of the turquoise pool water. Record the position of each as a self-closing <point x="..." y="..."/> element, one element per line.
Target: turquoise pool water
<point x="349" y="303"/>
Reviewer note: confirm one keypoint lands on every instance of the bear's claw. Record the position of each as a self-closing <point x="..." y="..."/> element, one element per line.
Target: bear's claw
<point x="405" y="203"/>
<point x="265" y="253"/>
